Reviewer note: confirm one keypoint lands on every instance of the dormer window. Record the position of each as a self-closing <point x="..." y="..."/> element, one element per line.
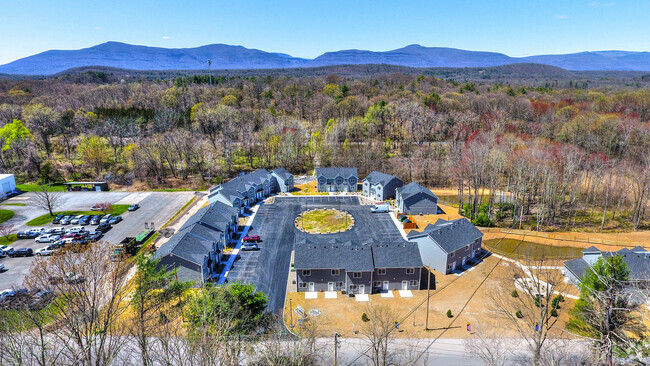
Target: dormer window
<point x="339" y="180"/>
<point x="321" y="180"/>
<point x="353" y="181"/>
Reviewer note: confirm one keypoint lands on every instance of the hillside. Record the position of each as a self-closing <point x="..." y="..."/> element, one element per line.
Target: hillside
<point x="226" y="57"/>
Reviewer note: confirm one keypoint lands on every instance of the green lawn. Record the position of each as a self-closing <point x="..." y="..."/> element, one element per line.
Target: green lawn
<point x="13" y="204"/>
<point x="6" y="215"/>
<point x="514" y="248"/>
<point x="8" y="240"/>
<point x="36" y="187"/>
<point x="47" y="218"/>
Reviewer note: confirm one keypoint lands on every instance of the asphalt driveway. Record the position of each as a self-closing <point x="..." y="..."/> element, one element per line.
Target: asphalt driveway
<point x="268" y="268"/>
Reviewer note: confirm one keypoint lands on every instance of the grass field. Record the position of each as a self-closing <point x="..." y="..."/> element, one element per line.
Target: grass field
<point x="6" y="215"/>
<point x="307" y="189"/>
<point x="36" y="187"/>
<point x="13" y="204"/>
<point x="514" y="248"/>
<point x="47" y="218"/>
<point x="319" y="221"/>
<point x="6" y="240"/>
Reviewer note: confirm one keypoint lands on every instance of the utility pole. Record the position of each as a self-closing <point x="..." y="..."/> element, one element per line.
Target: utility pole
<point x="336" y="347"/>
<point x="210" y="70"/>
<point x="291" y="311"/>
<point x="426" y="327"/>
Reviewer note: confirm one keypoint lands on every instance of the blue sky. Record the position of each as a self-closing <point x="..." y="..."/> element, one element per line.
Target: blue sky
<point x="309" y="28"/>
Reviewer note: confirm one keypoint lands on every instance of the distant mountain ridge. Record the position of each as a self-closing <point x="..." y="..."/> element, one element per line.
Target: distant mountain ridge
<point x="227" y="57"/>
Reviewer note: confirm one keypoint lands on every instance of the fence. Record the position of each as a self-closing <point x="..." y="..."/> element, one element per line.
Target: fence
<point x="564" y="237"/>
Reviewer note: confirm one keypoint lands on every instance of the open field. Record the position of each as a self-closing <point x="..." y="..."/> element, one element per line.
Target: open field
<point x="344" y="313"/>
<point x="514" y="248"/>
<point x="308" y="188"/>
<point x="322" y="221"/>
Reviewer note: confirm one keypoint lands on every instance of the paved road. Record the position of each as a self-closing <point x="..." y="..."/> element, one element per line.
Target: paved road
<point x="156" y="207"/>
<point x="268" y="268"/>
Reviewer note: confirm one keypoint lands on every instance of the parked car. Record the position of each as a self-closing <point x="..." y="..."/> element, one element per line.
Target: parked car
<point x="85" y="220"/>
<point x="249" y="246"/>
<point x="40" y="298"/>
<point x="7" y="293"/>
<point x="67" y="241"/>
<point x="95" y="219"/>
<point x="103" y="227"/>
<point x="26" y="235"/>
<point x="57" y="230"/>
<point x="106" y="219"/>
<point x="57" y="219"/>
<point x="66" y="220"/>
<point x="2" y="267"/>
<point x="134" y="207"/>
<point x="252" y="238"/>
<point x="76" y="229"/>
<point x="24" y="252"/>
<point x="95" y="235"/>
<point x="48" y="250"/>
<point x="47" y="238"/>
<point x="76" y="219"/>
<point x="37" y="230"/>
<point x="115" y="219"/>
<point x="74" y="236"/>
<point x="57" y="244"/>
<point x="6" y="250"/>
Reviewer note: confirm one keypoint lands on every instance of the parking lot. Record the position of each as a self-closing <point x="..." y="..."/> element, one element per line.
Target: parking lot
<point x="268" y="268"/>
<point x="156" y="208"/>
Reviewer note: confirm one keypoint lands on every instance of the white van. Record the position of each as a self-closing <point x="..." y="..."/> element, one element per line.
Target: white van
<point x="380" y="207"/>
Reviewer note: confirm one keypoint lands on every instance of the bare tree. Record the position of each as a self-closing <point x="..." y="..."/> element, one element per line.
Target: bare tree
<point x="378" y="334"/>
<point x="489" y="346"/>
<point x="104" y="207"/>
<point x="47" y="199"/>
<point x="88" y="287"/>
<point x="6" y="230"/>
<point x="533" y="304"/>
<point x="275" y="349"/>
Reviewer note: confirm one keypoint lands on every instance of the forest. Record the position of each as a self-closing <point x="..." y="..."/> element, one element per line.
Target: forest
<point x="541" y="155"/>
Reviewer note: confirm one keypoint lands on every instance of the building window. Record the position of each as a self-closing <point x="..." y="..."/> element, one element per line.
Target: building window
<point x="303" y="284"/>
<point x="467" y="247"/>
<point x="410" y="270"/>
<point x="321" y="181"/>
<point x="414" y="283"/>
<point x="452" y="254"/>
<point x="381" y="271"/>
<point x="340" y="284"/>
<point x="376" y="284"/>
<point x="335" y="272"/>
<point x="306" y="272"/>
<point x="449" y="266"/>
<point x="353" y="287"/>
<point x="339" y="180"/>
<point x="356" y="275"/>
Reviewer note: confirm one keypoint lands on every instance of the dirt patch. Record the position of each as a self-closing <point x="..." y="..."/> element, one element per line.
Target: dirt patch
<point x="344" y="313"/>
<point x="307" y="189"/>
<point x="324" y="221"/>
<point x="422" y="221"/>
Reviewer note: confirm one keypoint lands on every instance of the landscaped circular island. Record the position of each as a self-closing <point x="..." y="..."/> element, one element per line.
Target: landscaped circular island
<point x="324" y="221"/>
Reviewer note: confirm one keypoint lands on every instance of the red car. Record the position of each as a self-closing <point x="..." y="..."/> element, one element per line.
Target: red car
<point x="75" y="236"/>
<point x="251" y="238"/>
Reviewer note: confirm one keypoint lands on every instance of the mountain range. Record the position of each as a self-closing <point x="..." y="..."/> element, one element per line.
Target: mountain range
<point x="227" y="57"/>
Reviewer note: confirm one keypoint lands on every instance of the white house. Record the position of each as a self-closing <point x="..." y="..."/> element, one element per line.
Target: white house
<point x="7" y="184"/>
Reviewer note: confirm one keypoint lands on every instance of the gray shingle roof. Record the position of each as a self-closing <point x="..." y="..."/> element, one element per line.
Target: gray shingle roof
<point x="281" y="172"/>
<point x="331" y="173"/>
<point x="637" y="259"/>
<point x="413" y="189"/>
<point x="243" y="182"/>
<point x="217" y="215"/>
<point x="402" y="255"/>
<point x="450" y="235"/>
<point x="186" y="246"/>
<point x="591" y="249"/>
<point x="382" y="178"/>
<point x="334" y="255"/>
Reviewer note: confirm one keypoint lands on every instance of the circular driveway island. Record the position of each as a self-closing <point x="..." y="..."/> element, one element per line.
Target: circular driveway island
<point x="324" y="221"/>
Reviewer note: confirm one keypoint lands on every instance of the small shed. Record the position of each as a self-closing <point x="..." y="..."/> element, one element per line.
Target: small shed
<point x="86" y="186"/>
<point x="7" y="184"/>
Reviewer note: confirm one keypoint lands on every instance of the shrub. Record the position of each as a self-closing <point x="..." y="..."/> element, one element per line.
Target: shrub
<point x="449" y="314"/>
<point x="554" y="313"/>
<point x="519" y="315"/>
<point x="538" y="300"/>
<point x="365" y="318"/>
<point x="514" y="293"/>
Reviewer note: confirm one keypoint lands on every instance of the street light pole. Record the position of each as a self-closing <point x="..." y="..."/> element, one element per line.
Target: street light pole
<point x="428" y="289"/>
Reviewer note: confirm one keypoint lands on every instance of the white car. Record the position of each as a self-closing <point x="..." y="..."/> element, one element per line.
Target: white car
<point x="45" y="251"/>
<point x="6" y="250"/>
<point x="36" y="230"/>
<point x="55" y="230"/>
<point x="7" y="292"/>
<point x="49" y="238"/>
<point x="76" y="219"/>
<point x="105" y="219"/>
<point x="75" y="230"/>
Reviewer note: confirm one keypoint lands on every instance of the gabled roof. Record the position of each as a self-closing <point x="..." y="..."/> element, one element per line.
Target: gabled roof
<point x="281" y="172"/>
<point x="577" y="267"/>
<point x="334" y="255"/>
<point x="186" y="246"/>
<point x="216" y="215"/>
<point x="450" y="235"/>
<point x="229" y="194"/>
<point x="331" y="173"/>
<point x="380" y="178"/>
<point x="591" y="250"/>
<point x="402" y="255"/>
<point x="243" y="182"/>
<point x="413" y="189"/>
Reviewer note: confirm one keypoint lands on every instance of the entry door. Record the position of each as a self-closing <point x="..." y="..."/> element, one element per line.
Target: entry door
<point x="311" y="286"/>
<point x="405" y="285"/>
<point x="385" y="285"/>
<point x="362" y="289"/>
<point x="464" y="260"/>
<point x="453" y="266"/>
<point x="330" y="286"/>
